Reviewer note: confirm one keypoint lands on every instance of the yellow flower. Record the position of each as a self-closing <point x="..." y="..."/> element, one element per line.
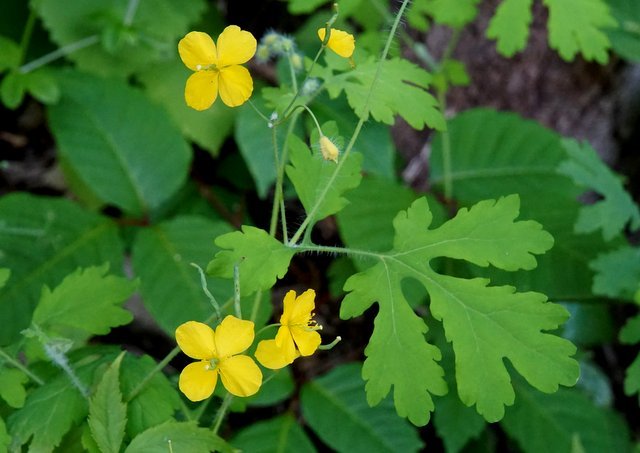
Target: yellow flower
<point x="218" y="68"/>
<point x="328" y="149"/>
<point x="297" y="335"/>
<point x="218" y="353"/>
<point x="340" y="42"/>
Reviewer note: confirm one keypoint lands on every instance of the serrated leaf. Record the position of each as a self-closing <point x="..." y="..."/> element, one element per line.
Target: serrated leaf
<point x="179" y="436"/>
<point x="107" y="411"/>
<point x="616" y="210"/>
<point x="630" y="334"/>
<point x="43" y="240"/>
<point x="170" y="286"/>
<point x="68" y="304"/>
<point x="540" y="422"/>
<point x="625" y="38"/>
<point x="313" y="178"/>
<point x="12" y="386"/>
<point x="261" y="259"/>
<point x="278" y="435"/>
<point x="150" y="37"/>
<point x="112" y="137"/>
<point x="400" y="90"/>
<point x="617" y="273"/>
<point x="576" y="26"/>
<point x="486" y="324"/>
<point x="510" y="26"/>
<point x="335" y="406"/>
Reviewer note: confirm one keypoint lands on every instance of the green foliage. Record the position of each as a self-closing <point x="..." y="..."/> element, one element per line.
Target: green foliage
<point x="335" y="406"/>
<point x="5" y="439"/>
<point x="43" y="240"/>
<point x="630" y="334"/>
<point x="260" y="258"/>
<point x="616" y="209"/>
<point x="107" y="411"/>
<point x="455" y="14"/>
<point x="312" y="176"/>
<point x="400" y="90"/>
<point x="67" y="307"/>
<point x="278" y="435"/>
<point x="9" y="54"/>
<point x="125" y="134"/>
<point x="510" y="26"/>
<point x="617" y="273"/>
<point x="472" y="312"/>
<point x="12" y="386"/>
<point x="625" y="38"/>
<point x="558" y="422"/>
<point x="179" y="436"/>
<point x="274" y="391"/>
<point x="162" y="257"/>
<point x="40" y="84"/>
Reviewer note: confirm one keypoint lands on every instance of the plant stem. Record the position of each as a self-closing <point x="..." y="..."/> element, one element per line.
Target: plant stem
<point x="129" y="15"/>
<point x="143" y="383"/>
<point x="21" y="367"/>
<point x="292" y="72"/>
<point x="59" y="53"/>
<point x="26" y="35"/>
<point x="222" y="412"/>
<point x="236" y="291"/>
<point x="278" y="189"/>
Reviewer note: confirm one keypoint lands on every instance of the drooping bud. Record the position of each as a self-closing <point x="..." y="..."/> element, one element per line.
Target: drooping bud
<point x="328" y="149"/>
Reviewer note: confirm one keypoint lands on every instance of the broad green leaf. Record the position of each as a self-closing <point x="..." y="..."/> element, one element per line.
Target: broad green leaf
<point x="4" y="276"/>
<point x="123" y="147"/>
<point x="304" y="6"/>
<point x="590" y="325"/>
<point x="455" y="14"/>
<point x="540" y="422"/>
<point x="335" y="406"/>
<point x="107" y="411"/>
<point x="400" y="89"/>
<point x="177" y="436"/>
<point x="273" y="391"/>
<point x="68" y="305"/>
<point x="42" y="85"/>
<point x="317" y="184"/>
<point x="485" y="323"/>
<point x="617" y="273"/>
<point x="12" y="386"/>
<point x="170" y="286"/>
<point x="616" y="209"/>
<point x="164" y="83"/>
<point x="510" y="26"/>
<point x="625" y="38"/>
<point x="576" y="26"/>
<point x="493" y="154"/>
<point x="261" y="259"/>
<point x="43" y="240"/>
<point x="5" y="438"/>
<point x="630" y="334"/>
<point x="9" y="54"/>
<point x="278" y="435"/>
<point x="155" y="27"/>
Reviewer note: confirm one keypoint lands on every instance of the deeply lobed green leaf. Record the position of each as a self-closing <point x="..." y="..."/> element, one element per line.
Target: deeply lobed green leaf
<point x="617" y="273"/>
<point x="510" y="26"/>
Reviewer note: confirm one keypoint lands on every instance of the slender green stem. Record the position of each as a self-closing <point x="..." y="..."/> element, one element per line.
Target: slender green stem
<point x="257" y="110"/>
<point x="26" y="35"/>
<point x="143" y="383"/>
<point x="222" y="412"/>
<point x="357" y="130"/>
<point x="292" y="72"/>
<point x="197" y="414"/>
<point x="446" y="150"/>
<point x="335" y="250"/>
<point x="59" y="53"/>
<point x="278" y="189"/>
<point x="205" y="288"/>
<point x="236" y="291"/>
<point x="257" y="300"/>
<point x="35" y="378"/>
<point x="130" y="14"/>
<point x="287" y="111"/>
<point x="315" y="120"/>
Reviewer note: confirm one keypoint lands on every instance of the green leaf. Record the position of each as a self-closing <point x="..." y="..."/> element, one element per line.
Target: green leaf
<point x="4" y="276"/>
<point x="335" y="406"/>
<point x="125" y="134"/>
<point x="261" y="259"/>
<point x="9" y="54"/>
<point x="42" y="85"/>
<point x="630" y="334"/>
<point x="400" y="90"/>
<point x="540" y="422"/>
<point x="43" y="240"/>
<point x="151" y="36"/>
<point x="617" y="273"/>
<point x="5" y="438"/>
<point x="278" y="435"/>
<point x="304" y="6"/>
<point x="12" y="89"/>
<point x="12" y="386"/>
<point x="177" y="436"/>
<point x="576" y="26"/>
<point x="67" y="305"/>
<point x="273" y="391"/>
<point x="625" y="38"/>
<point x="170" y="286"/>
<point x="485" y="323"/>
<point x="107" y="411"/>
<point x="165" y="83"/>
<point x="616" y="209"/>
<point x="493" y="154"/>
<point x="455" y="14"/>
<point x="510" y="26"/>
<point x="312" y="176"/>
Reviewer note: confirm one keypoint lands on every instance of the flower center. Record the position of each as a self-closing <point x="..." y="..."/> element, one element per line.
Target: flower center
<point x="213" y="364"/>
<point x="206" y="67"/>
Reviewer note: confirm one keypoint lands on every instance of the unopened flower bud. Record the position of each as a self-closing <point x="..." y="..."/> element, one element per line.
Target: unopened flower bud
<point x="328" y="149"/>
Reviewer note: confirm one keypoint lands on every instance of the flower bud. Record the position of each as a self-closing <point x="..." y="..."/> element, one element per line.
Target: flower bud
<point x="328" y="149"/>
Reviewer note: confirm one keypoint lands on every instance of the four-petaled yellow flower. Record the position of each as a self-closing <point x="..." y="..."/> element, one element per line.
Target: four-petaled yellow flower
<point x="218" y="352"/>
<point x="297" y="335"/>
<point x="340" y="42"/>
<point x="218" y="67"/>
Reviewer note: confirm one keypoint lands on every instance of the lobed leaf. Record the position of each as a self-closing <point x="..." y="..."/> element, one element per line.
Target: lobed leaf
<point x="455" y="14"/>
<point x="177" y="436"/>
<point x="625" y="38"/>
<point x="12" y="388"/>
<point x="510" y="26"/>
<point x="617" y="273"/>
<point x="630" y="334"/>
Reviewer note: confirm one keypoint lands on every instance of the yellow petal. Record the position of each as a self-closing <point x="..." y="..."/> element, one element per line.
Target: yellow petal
<point x="240" y="375"/>
<point x="197" y="50"/>
<point x="284" y="341"/>
<point x="235" y="46"/>
<point x="198" y="382"/>
<point x="340" y="42"/>
<point x="196" y="340"/>
<point x="201" y="90"/>
<point x="271" y="356"/>
<point x="236" y="85"/>
<point x="297" y="310"/>
<point x="233" y="336"/>
<point x="306" y="340"/>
